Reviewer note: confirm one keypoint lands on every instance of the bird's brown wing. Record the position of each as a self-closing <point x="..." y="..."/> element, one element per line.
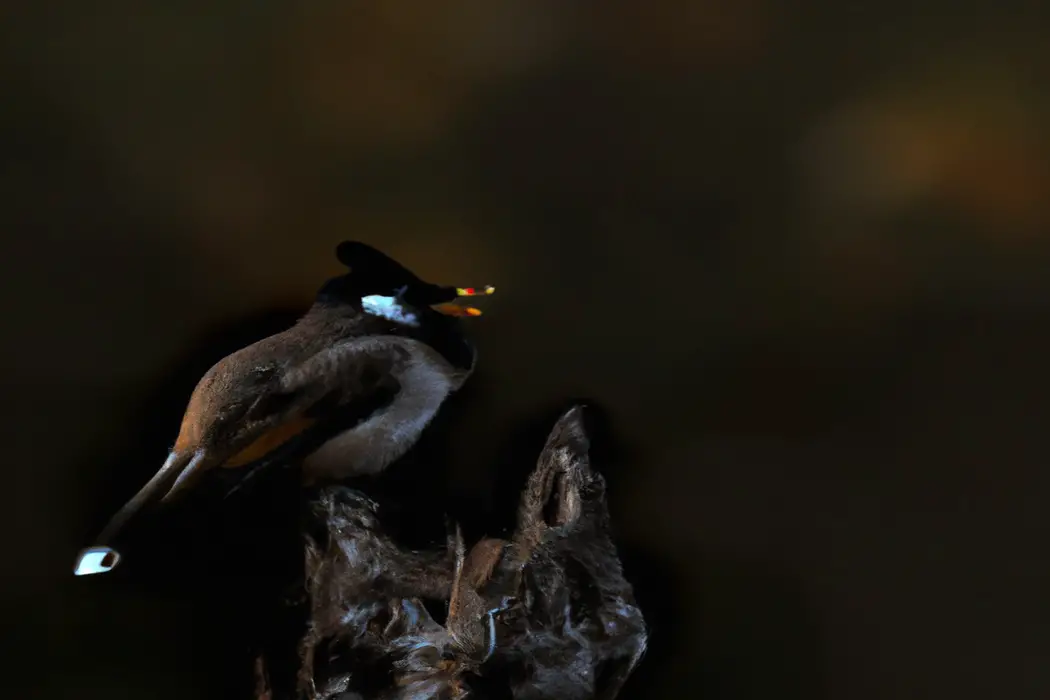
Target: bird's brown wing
<point x="311" y="392"/>
<point x="270" y="440"/>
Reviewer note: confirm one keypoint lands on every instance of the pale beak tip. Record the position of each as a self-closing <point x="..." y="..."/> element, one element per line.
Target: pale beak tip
<point x="96" y="560"/>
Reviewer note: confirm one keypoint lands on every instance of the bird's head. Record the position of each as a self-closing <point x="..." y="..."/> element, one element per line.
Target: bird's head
<point x="380" y="286"/>
<point x="400" y="302"/>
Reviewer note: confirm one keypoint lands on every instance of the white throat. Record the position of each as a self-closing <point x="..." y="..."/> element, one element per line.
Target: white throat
<point x="389" y="308"/>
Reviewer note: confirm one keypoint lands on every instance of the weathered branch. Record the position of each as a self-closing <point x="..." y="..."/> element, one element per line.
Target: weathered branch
<point x="546" y="613"/>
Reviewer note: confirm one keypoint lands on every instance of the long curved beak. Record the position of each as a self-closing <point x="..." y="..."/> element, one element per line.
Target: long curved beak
<point x="180" y="471"/>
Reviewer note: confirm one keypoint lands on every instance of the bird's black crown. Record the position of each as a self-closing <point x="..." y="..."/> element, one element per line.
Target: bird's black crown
<point x="373" y="272"/>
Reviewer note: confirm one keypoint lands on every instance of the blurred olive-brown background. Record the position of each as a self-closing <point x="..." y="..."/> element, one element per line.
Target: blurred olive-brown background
<point x="798" y="250"/>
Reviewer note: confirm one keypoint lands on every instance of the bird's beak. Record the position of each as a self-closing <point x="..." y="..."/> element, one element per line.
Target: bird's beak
<point x="451" y="309"/>
<point x="456" y="310"/>
<point x="180" y="471"/>
<point x="475" y="291"/>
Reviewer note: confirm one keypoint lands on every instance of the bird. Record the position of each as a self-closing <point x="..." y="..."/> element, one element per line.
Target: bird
<point x="351" y="386"/>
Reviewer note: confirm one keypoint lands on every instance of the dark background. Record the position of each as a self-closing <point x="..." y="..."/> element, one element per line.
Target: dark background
<point x="797" y="250"/>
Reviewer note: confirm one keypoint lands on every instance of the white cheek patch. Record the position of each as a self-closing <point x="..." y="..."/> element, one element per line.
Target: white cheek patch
<point x="96" y="560"/>
<point x="388" y="308"/>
